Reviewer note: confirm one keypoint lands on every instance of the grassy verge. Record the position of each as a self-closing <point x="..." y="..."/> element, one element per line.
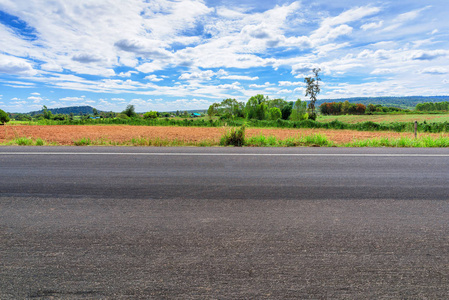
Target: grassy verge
<point x="316" y="140"/>
<point x="25" y="141"/>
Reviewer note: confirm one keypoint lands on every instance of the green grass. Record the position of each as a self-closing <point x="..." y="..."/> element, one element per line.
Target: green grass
<point x="83" y="142"/>
<point x="316" y="140"/>
<point x="404" y="142"/>
<point x="25" y="141"/>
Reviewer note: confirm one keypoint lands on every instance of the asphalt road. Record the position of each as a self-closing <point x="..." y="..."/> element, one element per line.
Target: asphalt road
<point x="226" y="223"/>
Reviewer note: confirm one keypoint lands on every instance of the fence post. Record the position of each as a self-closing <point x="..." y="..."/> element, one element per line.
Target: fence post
<point x="416" y="129"/>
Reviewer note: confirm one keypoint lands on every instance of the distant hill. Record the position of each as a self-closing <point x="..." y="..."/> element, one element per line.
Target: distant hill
<point x="402" y="102"/>
<point x="76" y="110"/>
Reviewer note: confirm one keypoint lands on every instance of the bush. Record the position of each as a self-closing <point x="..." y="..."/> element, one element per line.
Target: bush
<point x="234" y="137"/>
<point x="4" y="118"/>
<point x="150" y="115"/>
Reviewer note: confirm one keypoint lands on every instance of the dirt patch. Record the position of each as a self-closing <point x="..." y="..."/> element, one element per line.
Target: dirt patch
<point x="67" y="134"/>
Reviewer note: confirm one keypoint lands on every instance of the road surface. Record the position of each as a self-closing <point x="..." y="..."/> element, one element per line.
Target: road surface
<point x="189" y="223"/>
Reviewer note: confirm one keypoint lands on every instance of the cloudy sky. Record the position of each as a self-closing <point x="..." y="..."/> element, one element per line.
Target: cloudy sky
<point x="186" y="54"/>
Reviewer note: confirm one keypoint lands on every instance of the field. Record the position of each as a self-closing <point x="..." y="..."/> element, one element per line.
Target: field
<point x="195" y="136"/>
<point x="352" y="119"/>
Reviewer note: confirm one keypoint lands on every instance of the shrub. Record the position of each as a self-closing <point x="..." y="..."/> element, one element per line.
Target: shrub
<point x="23" y="141"/>
<point x="83" y="142"/>
<point x="234" y="137"/>
<point x="150" y="115"/>
<point x="4" y="118"/>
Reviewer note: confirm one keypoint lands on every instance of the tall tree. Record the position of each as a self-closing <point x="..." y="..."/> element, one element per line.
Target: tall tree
<point x="130" y="111"/>
<point x="47" y="113"/>
<point x="256" y="107"/>
<point x="313" y="89"/>
<point x="299" y="111"/>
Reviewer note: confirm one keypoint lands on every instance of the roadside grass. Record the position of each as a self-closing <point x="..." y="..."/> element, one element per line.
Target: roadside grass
<point x="83" y="142"/>
<point x="403" y="142"/>
<point x="145" y="142"/>
<point x="316" y="140"/>
<point x="25" y="141"/>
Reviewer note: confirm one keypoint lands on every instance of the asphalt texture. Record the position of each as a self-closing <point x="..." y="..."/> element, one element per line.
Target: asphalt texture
<point x="223" y="223"/>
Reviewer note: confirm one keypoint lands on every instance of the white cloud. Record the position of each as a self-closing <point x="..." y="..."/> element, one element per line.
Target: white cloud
<point x="257" y="86"/>
<point x="411" y="15"/>
<point x="200" y="75"/>
<point x="239" y="77"/>
<point x="434" y="71"/>
<point x="72" y="99"/>
<point x="405" y="18"/>
<point x="51" y="67"/>
<point x="429" y="55"/>
<point x="381" y="71"/>
<point x="153" y="78"/>
<point x="372" y="25"/>
<point x="35" y="99"/>
<point x="35" y="94"/>
<point x="234" y="86"/>
<point x="15" y="66"/>
<point x="127" y="74"/>
<point x="290" y="83"/>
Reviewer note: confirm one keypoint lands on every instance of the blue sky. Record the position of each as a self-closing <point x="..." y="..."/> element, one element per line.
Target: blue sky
<point x="187" y="54"/>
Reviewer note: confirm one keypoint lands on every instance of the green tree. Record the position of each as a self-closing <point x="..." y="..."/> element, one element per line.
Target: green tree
<point x="232" y="107"/>
<point x="47" y="113"/>
<point x="150" y="115"/>
<point x="213" y="110"/>
<point x="313" y="89"/>
<point x="256" y="107"/>
<point x="345" y="107"/>
<point x="95" y="111"/>
<point x="279" y="103"/>
<point x="299" y="111"/>
<point x="130" y="111"/>
<point x="4" y="118"/>
<point x="275" y="113"/>
<point x="287" y="110"/>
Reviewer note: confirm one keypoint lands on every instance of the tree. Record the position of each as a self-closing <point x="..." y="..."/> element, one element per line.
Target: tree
<point x="232" y="107"/>
<point x="150" y="115"/>
<point x="299" y="111"/>
<point x="279" y="103"/>
<point x="130" y="111"/>
<point x="47" y="113"/>
<point x="275" y="113"/>
<point x="256" y="107"/>
<point x="313" y="89"/>
<point x="345" y="107"/>
<point x="213" y="110"/>
<point x="4" y="118"/>
<point x="95" y="111"/>
<point x="287" y="110"/>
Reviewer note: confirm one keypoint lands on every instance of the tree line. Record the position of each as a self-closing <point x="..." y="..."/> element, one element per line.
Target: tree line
<point x="260" y="107"/>
<point x="433" y="106"/>
<point x="348" y="108"/>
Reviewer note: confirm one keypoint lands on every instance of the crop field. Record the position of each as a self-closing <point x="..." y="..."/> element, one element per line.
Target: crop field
<point x="389" y="118"/>
<point x="176" y="136"/>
